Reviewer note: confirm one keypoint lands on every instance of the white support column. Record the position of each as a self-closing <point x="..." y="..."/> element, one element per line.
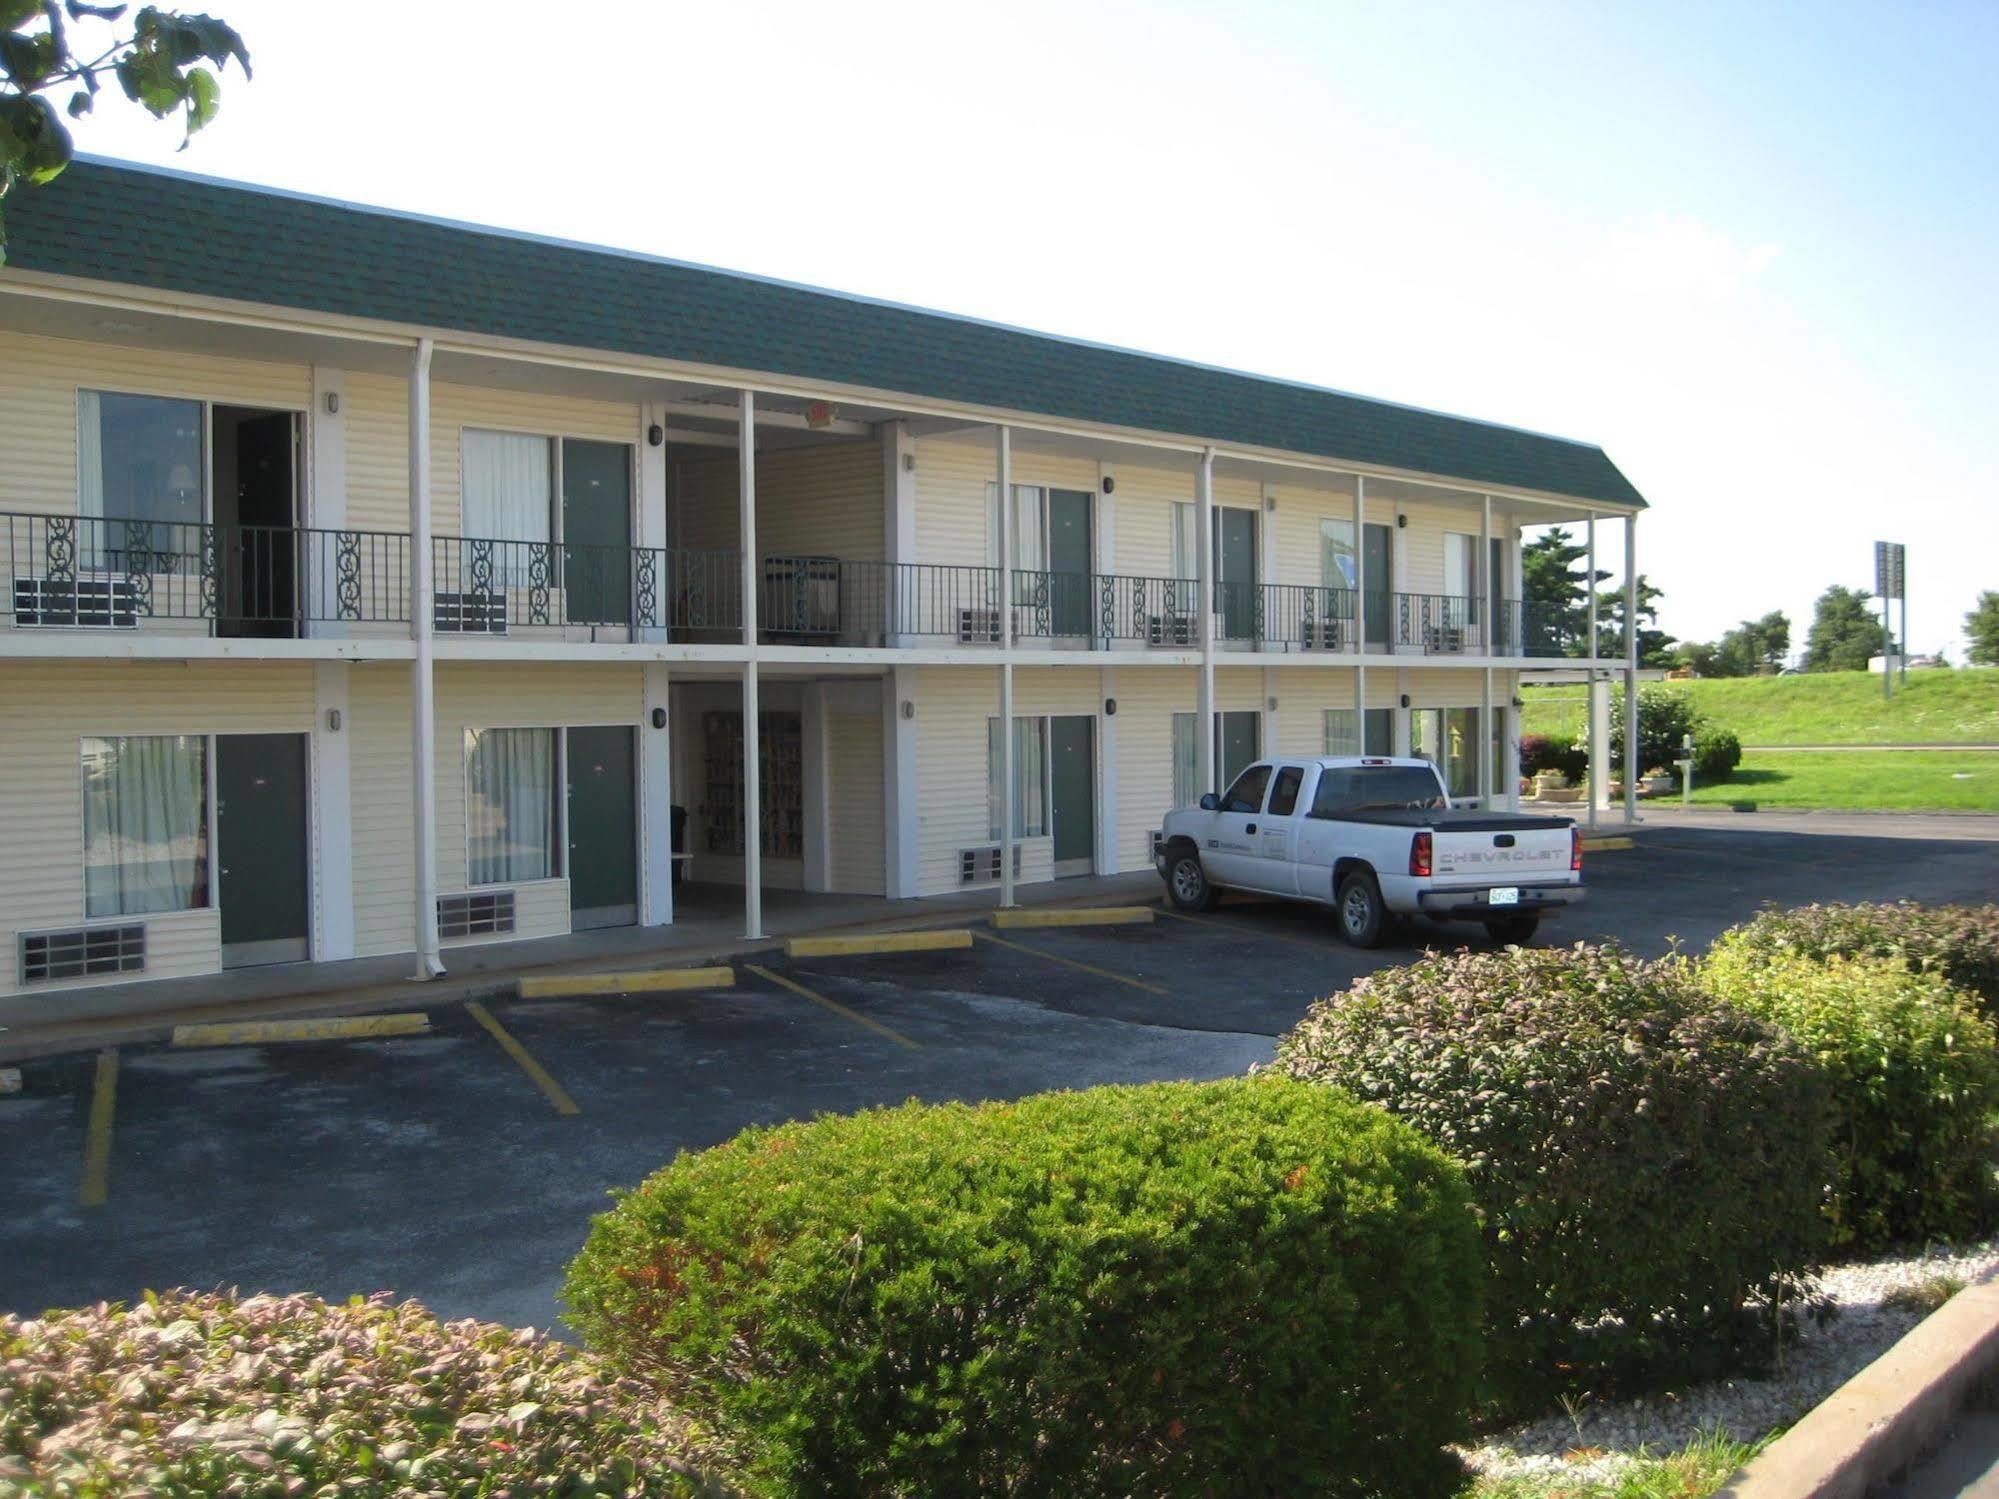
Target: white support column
<point x="899" y="825"/>
<point x="423" y="703"/>
<point x="1008" y="831"/>
<point x="1483" y="605"/>
<point x="899" y="519"/>
<point x="1631" y="765"/>
<point x="1360" y="611"/>
<point x="746" y="506"/>
<point x="649" y="531"/>
<point x="1590" y="532"/>
<point x="1599" y="744"/>
<point x="818" y="750"/>
<point x="332" y="814"/>
<point x="1108" y="859"/>
<point x="656" y="798"/>
<point x="1204" y="568"/>
<point x="1405" y="737"/>
<point x="1270" y="707"/>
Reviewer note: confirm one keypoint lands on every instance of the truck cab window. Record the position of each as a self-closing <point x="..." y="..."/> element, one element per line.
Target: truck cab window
<point x="1246" y="795"/>
<point x="1284" y="794"/>
<point x="1376" y="787"/>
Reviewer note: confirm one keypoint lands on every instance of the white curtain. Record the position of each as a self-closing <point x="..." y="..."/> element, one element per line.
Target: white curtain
<point x="1343" y="731"/>
<point x="509" y="805"/>
<point x="1338" y="567"/>
<point x="89" y="452"/>
<point x="1186" y="762"/>
<point x="1460" y="565"/>
<point x="1186" y="557"/>
<point x="145" y="824"/>
<point x="1030" y="778"/>
<point x="507" y="494"/>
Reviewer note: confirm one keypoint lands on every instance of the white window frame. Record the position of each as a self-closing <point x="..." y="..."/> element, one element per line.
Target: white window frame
<point x="1045" y="731"/>
<point x="211" y="822"/>
<point x="301" y="480"/>
<point x="558" y="795"/>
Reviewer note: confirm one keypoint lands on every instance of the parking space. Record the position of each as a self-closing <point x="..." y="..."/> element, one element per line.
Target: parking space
<point x="461" y="1165"/>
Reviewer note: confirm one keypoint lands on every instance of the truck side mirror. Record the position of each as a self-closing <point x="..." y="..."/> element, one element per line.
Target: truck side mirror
<point x="1211" y="803"/>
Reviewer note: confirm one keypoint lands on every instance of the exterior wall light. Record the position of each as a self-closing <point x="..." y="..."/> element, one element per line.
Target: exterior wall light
<point x="333" y="403"/>
<point x="655" y="435"/>
<point x="1405" y="699"/>
<point x="1110" y="707"/>
<point x="659" y="718"/>
<point x="909" y="463"/>
<point x="333" y="720"/>
<point x="1110" y="484"/>
<point x="1401" y="522"/>
<point x="908" y="708"/>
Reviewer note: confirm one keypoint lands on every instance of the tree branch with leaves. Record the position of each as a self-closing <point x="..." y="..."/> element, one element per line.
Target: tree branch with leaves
<point x="165" y="61"/>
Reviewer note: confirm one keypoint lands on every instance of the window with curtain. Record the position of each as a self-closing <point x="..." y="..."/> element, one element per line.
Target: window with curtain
<point x="1343" y="732"/>
<point x="139" y="458"/>
<point x="1030" y="536"/>
<point x="1339" y="565"/>
<point x="507" y="493"/>
<point x="1186" y="760"/>
<point x="1030" y="778"/>
<point x="509" y="805"/>
<point x="145" y="824"/>
<point x="1186" y="546"/>
<point x="1460" y="565"/>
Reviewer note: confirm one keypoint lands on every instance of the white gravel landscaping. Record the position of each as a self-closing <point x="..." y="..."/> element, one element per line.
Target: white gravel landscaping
<point x="1823" y="1357"/>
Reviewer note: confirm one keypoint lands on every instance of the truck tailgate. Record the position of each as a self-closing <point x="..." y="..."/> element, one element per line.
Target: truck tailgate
<point x="1482" y="856"/>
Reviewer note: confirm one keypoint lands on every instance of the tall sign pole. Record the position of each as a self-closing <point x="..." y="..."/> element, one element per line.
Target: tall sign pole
<point x="1890" y="584"/>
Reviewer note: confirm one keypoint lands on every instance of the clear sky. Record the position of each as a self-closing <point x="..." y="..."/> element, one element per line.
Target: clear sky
<point x="1749" y="248"/>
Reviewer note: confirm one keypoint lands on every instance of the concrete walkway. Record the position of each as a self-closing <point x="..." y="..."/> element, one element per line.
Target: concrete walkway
<point x="708" y="926"/>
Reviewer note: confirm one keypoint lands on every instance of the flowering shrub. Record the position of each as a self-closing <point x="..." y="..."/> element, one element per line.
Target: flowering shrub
<point x="1249" y="1286"/>
<point x="1644" y="1160"/>
<point x="1915" y="1084"/>
<point x="186" y="1395"/>
<point x="1959" y="942"/>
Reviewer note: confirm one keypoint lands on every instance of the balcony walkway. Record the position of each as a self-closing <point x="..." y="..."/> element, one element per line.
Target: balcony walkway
<point x="708" y="925"/>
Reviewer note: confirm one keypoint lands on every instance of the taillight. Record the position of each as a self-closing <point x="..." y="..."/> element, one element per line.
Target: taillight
<point x="1419" y="854"/>
<point x="1576" y="850"/>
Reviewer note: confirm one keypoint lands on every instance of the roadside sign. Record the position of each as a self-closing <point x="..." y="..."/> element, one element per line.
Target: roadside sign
<point x="1888" y="569"/>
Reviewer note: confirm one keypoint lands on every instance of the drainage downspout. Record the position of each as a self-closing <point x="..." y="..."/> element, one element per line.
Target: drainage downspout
<point x="423" y="702"/>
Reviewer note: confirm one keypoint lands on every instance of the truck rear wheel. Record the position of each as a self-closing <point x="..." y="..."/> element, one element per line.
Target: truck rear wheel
<point x="1187" y="882"/>
<point x="1362" y="917"/>
<point x="1513" y="931"/>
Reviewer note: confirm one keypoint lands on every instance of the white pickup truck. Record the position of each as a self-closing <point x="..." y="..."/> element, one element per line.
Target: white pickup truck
<point x="1375" y="838"/>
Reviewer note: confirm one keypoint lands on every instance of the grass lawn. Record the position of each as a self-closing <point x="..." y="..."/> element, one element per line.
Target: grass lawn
<point x="1933" y="707"/>
<point x="1853" y="780"/>
<point x="1698" y="1471"/>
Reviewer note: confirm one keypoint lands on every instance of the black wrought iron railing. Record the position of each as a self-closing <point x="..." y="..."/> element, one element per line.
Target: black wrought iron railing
<point x="1298" y="618"/>
<point x="83" y="571"/>
<point x="1438" y="624"/>
<point x="1144" y="611"/>
<point x="1526" y="629"/>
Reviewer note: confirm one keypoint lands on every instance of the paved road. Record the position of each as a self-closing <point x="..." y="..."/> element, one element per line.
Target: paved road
<point x="437" y="1167"/>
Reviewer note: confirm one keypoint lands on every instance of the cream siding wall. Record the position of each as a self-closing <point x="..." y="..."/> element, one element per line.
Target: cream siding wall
<point x="376" y="409"/>
<point x="39" y="379"/>
<point x="820" y="501"/>
<point x="1147" y="699"/>
<point x="45" y="710"/>
<point x="854" y="815"/>
<point x="378" y="716"/>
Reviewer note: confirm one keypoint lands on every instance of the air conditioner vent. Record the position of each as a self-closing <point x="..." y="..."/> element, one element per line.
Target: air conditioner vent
<point x="478" y="913"/>
<point x="470" y="613"/>
<point x="83" y="952"/>
<point x="105" y="603"/>
<point x="976" y="865"/>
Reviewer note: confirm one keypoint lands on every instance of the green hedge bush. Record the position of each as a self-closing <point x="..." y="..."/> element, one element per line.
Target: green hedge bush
<point x="1644" y="1160"/>
<point x="1248" y="1286"/>
<point x="1959" y="942"/>
<point x="186" y="1395"/>
<point x="1916" y="1082"/>
<point x="1716" y="754"/>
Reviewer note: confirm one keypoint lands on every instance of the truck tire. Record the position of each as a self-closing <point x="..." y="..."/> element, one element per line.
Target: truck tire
<point x="1514" y="931"/>
<point x="1362" y="917"/>
<point x="1187" y="884"/>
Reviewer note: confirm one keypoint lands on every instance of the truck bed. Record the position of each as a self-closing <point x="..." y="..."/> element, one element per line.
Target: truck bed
<point x="1456" y="821"/>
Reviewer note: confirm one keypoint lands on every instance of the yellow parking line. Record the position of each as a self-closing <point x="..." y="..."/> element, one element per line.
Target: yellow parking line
<point x="1241" y="931"/>
<point x="834" y="1005"/>
<point x="845" y="947"/>
<point x="1102" y="973"/>
<point x="1605" y="845"/>
<point x="564" y="1104"/>
<point x="97" y="1141"/>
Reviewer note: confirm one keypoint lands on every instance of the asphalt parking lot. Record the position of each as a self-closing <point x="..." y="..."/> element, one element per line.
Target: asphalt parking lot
<point x="461" y="1166"/>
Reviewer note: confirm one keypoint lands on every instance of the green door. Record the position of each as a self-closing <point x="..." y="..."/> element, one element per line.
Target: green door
<point x="1073" y="790"/>
<point x="1378" y="567"/>
<point x="1069" y="561"/>
<point x="1235" y="572"/>
<point x="597" y="531"/>
<point x="260" y="837"/>
<point x="603" y="828"/>
<point x="1238" y="733"/>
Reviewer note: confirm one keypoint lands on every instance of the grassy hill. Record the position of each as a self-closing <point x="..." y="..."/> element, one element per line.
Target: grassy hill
<point x="1933" y="707"/>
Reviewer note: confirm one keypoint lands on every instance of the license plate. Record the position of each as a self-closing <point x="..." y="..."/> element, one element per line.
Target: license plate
<point x="1505" y="895"/>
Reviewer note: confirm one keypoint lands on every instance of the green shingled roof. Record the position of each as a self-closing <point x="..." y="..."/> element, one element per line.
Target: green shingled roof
<point x="141" y="226"/>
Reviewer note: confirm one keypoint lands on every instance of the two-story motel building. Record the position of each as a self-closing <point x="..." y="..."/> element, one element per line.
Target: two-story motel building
<point x="378" y="585"/>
